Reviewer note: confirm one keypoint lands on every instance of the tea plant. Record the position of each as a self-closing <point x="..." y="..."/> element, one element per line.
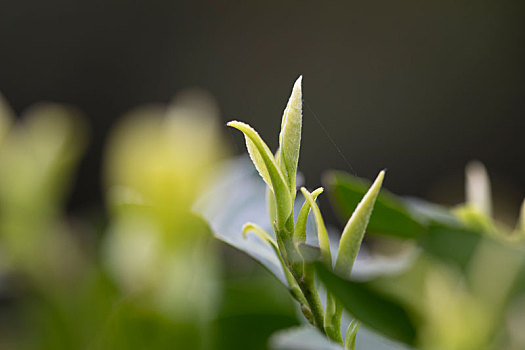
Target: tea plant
<point x="279" y="172"/>
<point x="154" y="278"/>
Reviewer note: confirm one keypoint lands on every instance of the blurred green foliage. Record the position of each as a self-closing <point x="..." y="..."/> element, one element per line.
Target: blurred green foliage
<point x="161" y="277"/>
<point x="155" y="279"/>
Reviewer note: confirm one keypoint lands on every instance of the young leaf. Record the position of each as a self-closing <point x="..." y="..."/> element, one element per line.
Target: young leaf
<point x="265" y="159"/>
<point x="373" y="309"/>
<point x="258" y="161"/>
<point x="324" y="241"/>
<point x="300" y="226"/>
<point x="355" y="228"/>
<point x="265" y="236"/>
<point x="391" y="214"/>
<point x="351" y="333"/>
<point x="456" y="246"/>
<point x="259" y="231"/>
<point x="290" y="136"/>
<point x="271" y="206"/>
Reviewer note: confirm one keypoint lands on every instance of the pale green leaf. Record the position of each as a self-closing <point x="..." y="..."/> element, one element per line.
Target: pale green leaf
<point x="270" y="204"/>
<point x="300" y="226"/>
<point x="322" y="234"/>
<point x="355" y="228"/>
<point x="351" y="333"/>
<point x="258" y="162"/>
<point x="265" y="236"/>
<point x="259" y="231"/>
<point x="290" y="136"/>
<point x="266" y="160"/>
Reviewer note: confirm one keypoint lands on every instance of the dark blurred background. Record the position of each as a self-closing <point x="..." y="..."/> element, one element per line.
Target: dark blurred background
<point x="418" y="87"/>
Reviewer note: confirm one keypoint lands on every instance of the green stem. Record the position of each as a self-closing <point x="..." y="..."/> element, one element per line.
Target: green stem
<point x="314" y="302"/>
<point x="313" y="310"/>
<point x="332" y="321"/>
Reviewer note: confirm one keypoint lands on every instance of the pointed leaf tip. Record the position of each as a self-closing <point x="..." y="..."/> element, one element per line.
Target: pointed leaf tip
<point x="253" y="151"/>
<point x="297" y="93"/>
<point x="256" y="229"/>
<point x="290" y="136"/>
<point x="300" y="226"/>
<point x="355" y="228"/>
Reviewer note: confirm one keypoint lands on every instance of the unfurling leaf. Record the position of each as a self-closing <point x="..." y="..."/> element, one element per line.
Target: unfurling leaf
<point x="259" y="231"/>
<point x="290" y="136"/>
<point x="355" y="228"/>
<point x="351" y="333"/>
<point x="265" y="236"/>
<point x="300" y="226"/>
<point x="264" y="159"/>
<point x="322" y="234"/>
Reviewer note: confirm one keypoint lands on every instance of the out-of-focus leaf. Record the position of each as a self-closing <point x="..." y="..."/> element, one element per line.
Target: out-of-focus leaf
<point x="37" y="158"/>
<point x="453" y="246"/>
<point x="390" y="215"/>
<point x="370" y="340"/>
<point x="430" y="213"/>
<point x="459" y="247"/>
<point x="474" y="220"/>
<point x="307" y="337"/>
<point x="302" y="338"/>
<point x="477" y="186"/>
<point x="252" y="308"/>
<point x="373" y="309"/>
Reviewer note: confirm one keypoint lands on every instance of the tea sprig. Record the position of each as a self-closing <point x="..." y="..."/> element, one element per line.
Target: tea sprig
<point x="279" y="172"/>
